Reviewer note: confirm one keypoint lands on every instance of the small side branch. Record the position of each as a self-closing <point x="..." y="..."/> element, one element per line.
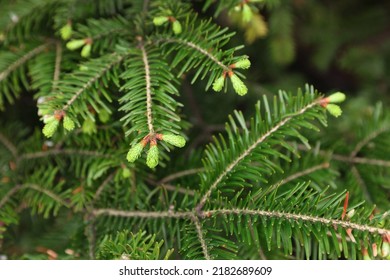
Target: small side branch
<point x="230" y="167"/>
<point x="142" y="214"/>
<point x="148" y="88"/>
<point x="93" y="80"/>
<point x="37" y="188"/>
<point x="199" y="49"/>
<point x="7" y="143"/>
<point x="180" y="174"/>
<point x="57" y="152"/>
<point x="199" y="231"/>
<point x="366" y="140"/>
<point x="57" y="65"/>
<point x="299" y="217"/>
<point x="22" y="60"/>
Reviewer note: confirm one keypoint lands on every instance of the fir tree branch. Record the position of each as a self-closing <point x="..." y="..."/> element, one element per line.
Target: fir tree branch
<point x="294" y="176"/>
<point x="103" y="185"/>
<point x="84" y="88"/>
<point x="360" y="160"/>
<point x="348" y="159"/>
<point x="64" y="152"/>
<point x="180" y="174"/>
<point x="35" y="187"/>
<point x="22" y="60"/>
<point x="57" y="66"/>
<point x="298" y="217"/>
<point x="148" y="88"/>
<point x="199" y="231"/>
<point x="254" y="237"/>
<point x="178" y="189"/>
<point x="302" y="173"/>
<point x="367" y="139"/>
<point x="363" y="186"/>
<point x="142" y="214"/>
<point x="197" y="48"/>
<point x="248" y="151"/>
<point x="8" y="144"/>
<point x="9" y="194"/>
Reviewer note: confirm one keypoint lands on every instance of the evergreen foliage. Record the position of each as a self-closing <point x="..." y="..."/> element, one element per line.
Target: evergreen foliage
<point x="104" y="153"/>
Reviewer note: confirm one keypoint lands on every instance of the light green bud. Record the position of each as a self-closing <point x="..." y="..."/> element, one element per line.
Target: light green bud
<point x="160" y="20"/>
<point x="334" y="110"/>
<point x="337" y="97"/>
<point x="50" y="127"/>
<point x="218" y="83"/>
<point x="48" y="118"/>
<point x="242" y="64"/>
<point x="175" y="140"/>
<point x="83" y="68"/>
<point x="86" y="51"/>
<point x="238" y="85"/>
<point x="135" y="152"/>
<point x="176" y="26"/>
<point x="75" y="44"/>
<point x="68" y="123"/>
<point x="104" y="116"/>
<point x="89" y="127"/>
<point x="126" y="173"/>
<point x="66" y="31"/>
<point x="152" y="157"/>
<point x="247" y="13"/>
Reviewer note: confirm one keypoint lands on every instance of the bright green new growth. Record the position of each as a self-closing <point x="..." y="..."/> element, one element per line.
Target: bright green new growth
<point x="238" y="85"/>
<point x="242" y="64"/>
<point x="135" y="152"/>
<point x="66" y="31"/>
<point x="176" y="26"/>
<point x="160" y="20"/>
<point x="86" y="51"/>
<point x="89" y="127"/>
<point x="68" y="123"/>
<point x="247" y="13"/>
<point x="152" y="157"/>
<point x="175" y="140"/>
<point x="75" y="44"/>
<point x="126" y="173"/>
<point x="337" y="97"/>
<point x="334" y="110"/>
<point x="218" y="83"/>
<point x="50" y="127"/>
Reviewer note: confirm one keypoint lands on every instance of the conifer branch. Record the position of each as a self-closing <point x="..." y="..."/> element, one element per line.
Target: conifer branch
<point x="348" y="159"/>
<point x="197" y="48"/>
<point x="199" y="231"/>
<point x="9" y="194"/>
<point x="23" y="60"/>
<point x="180" y="174"/>
<point x="117" y="60"/>
<point x="70" y="152"/>
<point x="148" y="88"/>
<point x="367" y="139"/>
<point x="103" y="185"/>
<point x="142" y="214"/>
<point x="305" y="172"/>
<point x="57" y="66"/>
<point x="363" y="186"/>
<point x="298" y="217"/>
<point x="7" y="143"/>
<point x="230" y="167"/>
<point x="294" y="176"/>
<point x="360" y="160"/>
<point x="178" y="189"/>
<point x="35" y="187"/>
